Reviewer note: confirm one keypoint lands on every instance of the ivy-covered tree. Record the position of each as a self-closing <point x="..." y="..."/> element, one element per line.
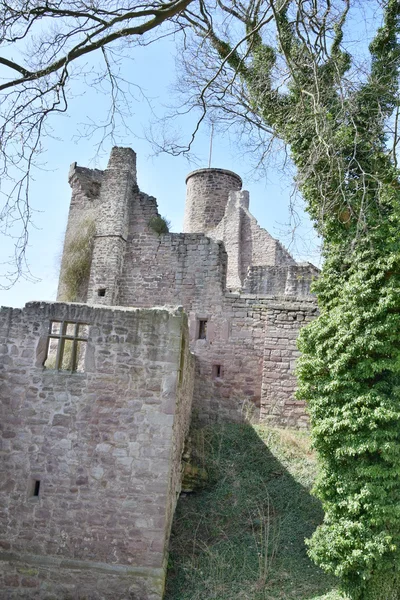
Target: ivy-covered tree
<point x="339" y="122"/>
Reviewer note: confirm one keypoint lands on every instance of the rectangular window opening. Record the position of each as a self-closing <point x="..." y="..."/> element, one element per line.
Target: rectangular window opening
<point x="101" y="292"/>
<point x="55" y="327"/>
<point x="202" y="329"/>
<point x="217" y="371"/>
<point x="182" y="359"/>
<point x="66" y="348"/>
<point x="34" y="488"/>
<point x="66" y="358"/>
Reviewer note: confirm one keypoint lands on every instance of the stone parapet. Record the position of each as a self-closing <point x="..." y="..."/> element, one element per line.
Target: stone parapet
<point x="285" y="280"/>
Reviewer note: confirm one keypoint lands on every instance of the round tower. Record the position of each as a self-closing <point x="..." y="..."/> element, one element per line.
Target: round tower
<point x="207" y="192"/>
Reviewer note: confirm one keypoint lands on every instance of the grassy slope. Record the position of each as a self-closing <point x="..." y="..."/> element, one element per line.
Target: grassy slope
<point x="242" y="538"/>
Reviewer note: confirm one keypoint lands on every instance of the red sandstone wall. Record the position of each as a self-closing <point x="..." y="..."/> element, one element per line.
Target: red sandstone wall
<point x="105" y="445"/>
<point x="137" y="267"/>
<point x="284" y="320"/>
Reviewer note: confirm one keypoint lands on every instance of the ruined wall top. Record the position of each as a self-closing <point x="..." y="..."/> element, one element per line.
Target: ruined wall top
<point x="213" y="171"/>
<point x="86" y="183"/>
<point x="123" y="159"/>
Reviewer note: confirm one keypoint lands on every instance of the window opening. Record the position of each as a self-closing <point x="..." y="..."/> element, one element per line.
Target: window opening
<point x="202" y="329"/>
<point x="66" y="348"/>
<point x="33" y="488"/>
<point x="36" y="488"/>
<point x="101" y="292"/>
<point x="217" y="371"/>
<point x="182" y="359"/>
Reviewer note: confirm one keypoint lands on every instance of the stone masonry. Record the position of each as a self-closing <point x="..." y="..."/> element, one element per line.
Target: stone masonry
<point x="98" y="388"/>
<point x="227" y="272"/>
<point x="91" y="459"/>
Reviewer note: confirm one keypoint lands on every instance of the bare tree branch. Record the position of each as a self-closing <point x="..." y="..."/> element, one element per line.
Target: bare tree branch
<point x="44" y="41"/>
<point x="90" y="44"/>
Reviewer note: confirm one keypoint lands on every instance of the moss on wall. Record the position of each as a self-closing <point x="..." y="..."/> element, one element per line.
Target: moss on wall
<point x="77" y="260"/>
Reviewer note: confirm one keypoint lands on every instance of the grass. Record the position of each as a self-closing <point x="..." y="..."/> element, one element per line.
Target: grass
<point x="159" y="224"/>
<point x="242" y="538"/>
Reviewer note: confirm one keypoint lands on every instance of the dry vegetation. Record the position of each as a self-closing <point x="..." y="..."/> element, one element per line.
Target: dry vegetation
<point x="242" y="537"/>
<point x="77" y="259"/>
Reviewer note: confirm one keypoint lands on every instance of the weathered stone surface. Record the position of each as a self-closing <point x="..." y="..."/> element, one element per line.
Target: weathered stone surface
<point x="229" y="277"/>
<point x="283" y="280"/>
<point x="207" y="197"/>
<point x="105" y="445"/>
<point x="85" y="200"/>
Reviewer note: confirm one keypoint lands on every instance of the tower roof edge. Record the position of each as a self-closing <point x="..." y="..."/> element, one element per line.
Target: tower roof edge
<point x="211" y="170"/>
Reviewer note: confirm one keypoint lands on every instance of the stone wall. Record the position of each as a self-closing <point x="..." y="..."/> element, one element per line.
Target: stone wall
<point x="247" y="244"/>
<point x="284" y="320"/>
<point x="117" y="189"/>
<point x="188" y="267"/>
<point x="225" y="273"/>
<point x="142" y="209"/>
<point x="85" y="200"/>
<point x="259" y="247"/>
<point x="286" y="280"/>
<point x="207" y="192"/>
<point x="105" y="445"/>
<point x="230" y="231"/>
<point x="250" y="380"/>
<point x="192" y="267"/>
<point x="229" y="359"/>
<point x="158" y="270"/>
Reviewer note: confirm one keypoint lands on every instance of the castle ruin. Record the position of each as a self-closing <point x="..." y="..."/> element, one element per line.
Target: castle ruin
<point x="98" y="388"/>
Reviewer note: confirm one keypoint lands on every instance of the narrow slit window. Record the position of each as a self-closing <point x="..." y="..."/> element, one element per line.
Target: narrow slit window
<point x="36" y="487"/>
<point x="217" y="371"/>
<point x="202" y="329"/>
<point x="182" y="359"/>
<point x="66" y="348"/>
<point x="33" y="488"/>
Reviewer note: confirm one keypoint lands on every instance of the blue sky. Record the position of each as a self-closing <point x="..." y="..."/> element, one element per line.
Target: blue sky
<point x="163" y="176"/>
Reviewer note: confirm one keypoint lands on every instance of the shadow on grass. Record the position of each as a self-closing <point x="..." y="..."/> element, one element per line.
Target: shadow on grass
<point x="242" y="537"/>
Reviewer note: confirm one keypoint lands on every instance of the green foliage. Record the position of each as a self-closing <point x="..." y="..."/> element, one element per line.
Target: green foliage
<point x="350" y="367"/>
<point x="77" y="259"/>
<point x="349" y="373"/>
<point x="159" y="224"/>
<point x="242" y="537"/>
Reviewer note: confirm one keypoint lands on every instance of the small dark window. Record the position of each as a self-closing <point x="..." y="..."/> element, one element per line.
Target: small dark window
<point x="66" y="347"/>
<point x="33" y="488"/>
<point x="36" y="488"/>
<point x="101" y="292"/>
<point x="182" y="359"/>
<point x="217" y="371"/>
<point x="202" y="329"/>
